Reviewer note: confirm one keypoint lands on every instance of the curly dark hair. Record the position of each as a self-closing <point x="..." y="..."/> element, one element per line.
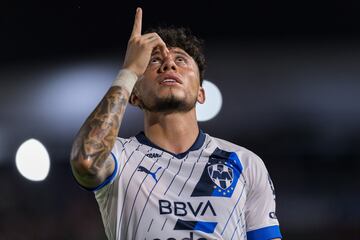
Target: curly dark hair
<point x="182" y="37"/>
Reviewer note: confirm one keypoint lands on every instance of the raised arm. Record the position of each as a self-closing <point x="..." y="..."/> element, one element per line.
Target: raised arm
<point x="89" y="158"/>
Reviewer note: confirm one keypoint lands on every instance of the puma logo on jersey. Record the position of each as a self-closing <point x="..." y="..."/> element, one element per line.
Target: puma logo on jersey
<point x="152" y="174"/>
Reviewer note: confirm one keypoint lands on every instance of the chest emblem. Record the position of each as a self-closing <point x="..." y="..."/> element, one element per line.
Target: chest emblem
<point x="221" y="174"/>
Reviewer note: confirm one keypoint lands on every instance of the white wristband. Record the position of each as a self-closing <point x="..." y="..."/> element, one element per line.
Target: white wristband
<point x="125" y="79"/>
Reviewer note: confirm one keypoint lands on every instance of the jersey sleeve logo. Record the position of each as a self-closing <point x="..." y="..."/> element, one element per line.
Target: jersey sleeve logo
<point x="220" y="176"/>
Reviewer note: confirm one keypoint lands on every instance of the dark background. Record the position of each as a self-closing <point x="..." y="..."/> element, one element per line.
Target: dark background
<point x="288" y="71"/>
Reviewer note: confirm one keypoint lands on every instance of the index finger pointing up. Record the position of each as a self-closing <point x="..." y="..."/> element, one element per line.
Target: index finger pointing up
<point x="137" y="23"/>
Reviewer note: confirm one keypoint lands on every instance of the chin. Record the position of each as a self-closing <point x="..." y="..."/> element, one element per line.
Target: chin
<point x="173" y="95"/>
<point x="171" y="103"/>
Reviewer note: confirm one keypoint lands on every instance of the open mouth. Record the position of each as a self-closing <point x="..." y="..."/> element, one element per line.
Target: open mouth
<point x="169" y="81"/>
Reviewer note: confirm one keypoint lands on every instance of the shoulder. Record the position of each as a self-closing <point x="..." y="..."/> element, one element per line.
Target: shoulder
<point x="123" y="143"/>
<point x="232" y="147"/>
<point x="245" y="155"/>
<point x="227" y="145"/>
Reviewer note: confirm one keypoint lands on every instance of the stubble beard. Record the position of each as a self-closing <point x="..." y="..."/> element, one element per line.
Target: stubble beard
<point x="169" y="104"/>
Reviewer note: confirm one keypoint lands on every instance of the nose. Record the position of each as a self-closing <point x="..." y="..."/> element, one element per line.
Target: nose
<point x="168" y="65"/>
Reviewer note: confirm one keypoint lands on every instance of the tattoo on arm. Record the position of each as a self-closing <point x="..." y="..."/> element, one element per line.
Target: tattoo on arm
<point x="98" y="134"/>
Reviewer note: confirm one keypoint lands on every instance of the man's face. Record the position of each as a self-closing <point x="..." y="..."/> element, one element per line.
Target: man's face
<point x="170" y="83"/>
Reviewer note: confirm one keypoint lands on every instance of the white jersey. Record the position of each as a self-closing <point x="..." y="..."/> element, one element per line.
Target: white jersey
<point x="215" y="190"/>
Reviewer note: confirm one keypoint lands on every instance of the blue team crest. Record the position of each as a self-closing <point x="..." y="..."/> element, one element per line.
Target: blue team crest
<point x="221" y="174"/>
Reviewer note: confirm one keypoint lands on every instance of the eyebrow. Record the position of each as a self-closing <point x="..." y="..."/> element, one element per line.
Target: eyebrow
<point x="181" y="53"/>
<point x="157" y="51"/>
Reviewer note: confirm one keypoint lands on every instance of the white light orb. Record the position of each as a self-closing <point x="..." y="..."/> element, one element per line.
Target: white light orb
<point x="32" y="160"/>
<point x="213" y="102"/>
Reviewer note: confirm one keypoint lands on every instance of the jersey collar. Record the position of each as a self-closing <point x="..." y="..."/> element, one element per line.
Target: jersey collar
<point x="196" y="145"/>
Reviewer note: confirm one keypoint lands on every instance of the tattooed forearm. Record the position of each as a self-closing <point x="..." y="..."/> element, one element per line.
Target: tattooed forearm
<point x="97" y="136"/>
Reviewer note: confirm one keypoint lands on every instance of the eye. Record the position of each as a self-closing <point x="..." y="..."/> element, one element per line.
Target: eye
<point x="180" y="59"/>
<point x="155" y="60"/>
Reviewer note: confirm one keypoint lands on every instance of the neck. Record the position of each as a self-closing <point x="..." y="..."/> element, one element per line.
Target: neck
<point x="174" y="132"/>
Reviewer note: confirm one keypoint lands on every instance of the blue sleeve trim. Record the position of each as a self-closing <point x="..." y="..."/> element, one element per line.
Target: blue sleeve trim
<point x="107" y="180"/>
<point x="265" y="233"/>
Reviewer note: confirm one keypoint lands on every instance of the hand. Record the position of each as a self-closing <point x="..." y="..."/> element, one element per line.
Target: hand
<point x="140" y="47"/>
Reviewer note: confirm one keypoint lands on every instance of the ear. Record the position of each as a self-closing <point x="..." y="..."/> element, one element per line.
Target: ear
<point x="134" y="98"/>
<point x="201" y="95"/>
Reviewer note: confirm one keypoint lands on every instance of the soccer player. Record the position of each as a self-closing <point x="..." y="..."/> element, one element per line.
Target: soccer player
<point x="171" y="181"/>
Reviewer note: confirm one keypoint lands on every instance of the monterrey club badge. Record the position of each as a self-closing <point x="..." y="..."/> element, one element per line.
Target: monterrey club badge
<point x="221" y="175"/>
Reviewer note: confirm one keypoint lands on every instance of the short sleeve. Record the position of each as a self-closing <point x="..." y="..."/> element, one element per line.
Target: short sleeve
<point x="115" y="155"/>
<point x="106" y="194"/>
<point x="261" y="220"/>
